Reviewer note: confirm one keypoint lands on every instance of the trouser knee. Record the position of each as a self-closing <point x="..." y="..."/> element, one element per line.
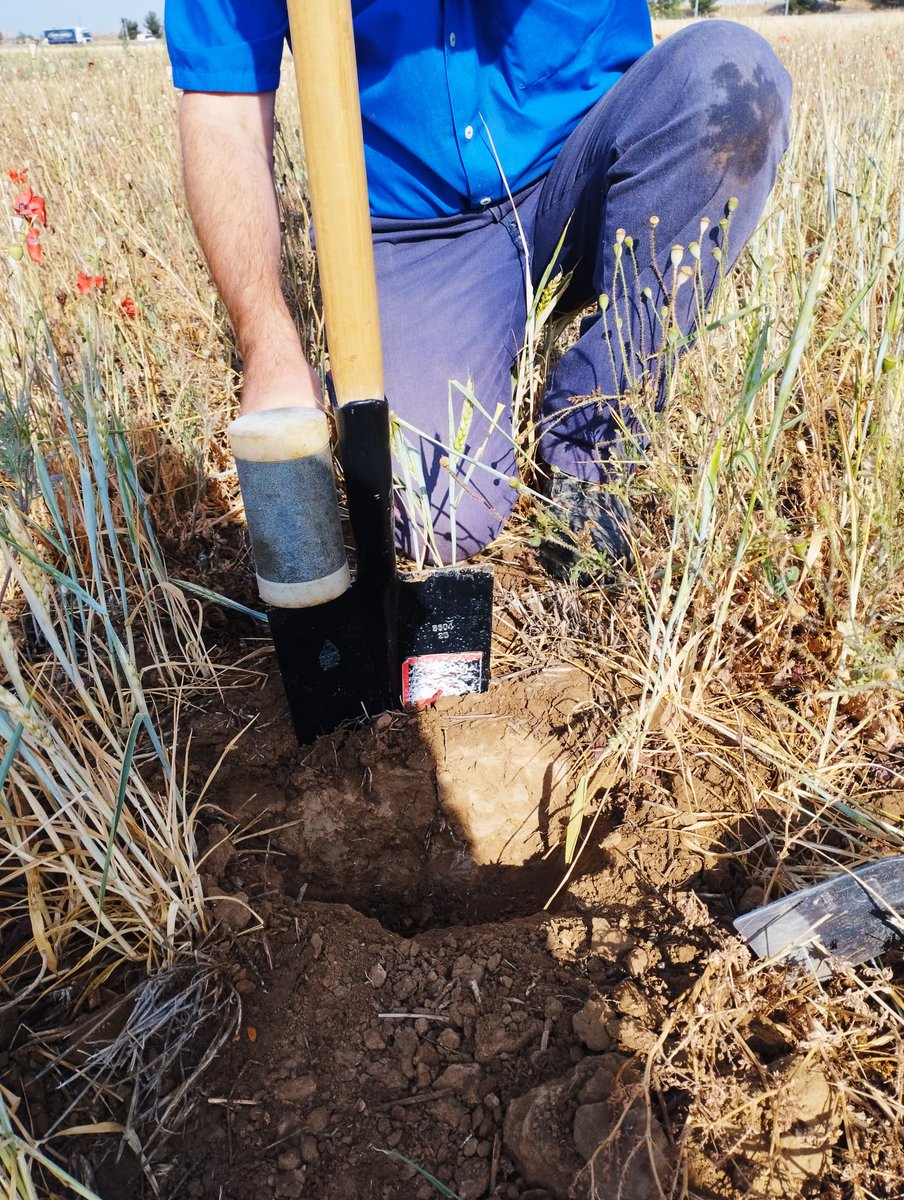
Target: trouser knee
<point x="741" y="93"/>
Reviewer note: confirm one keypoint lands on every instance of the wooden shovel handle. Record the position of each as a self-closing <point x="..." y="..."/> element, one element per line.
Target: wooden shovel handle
<point x="323" y="48"/>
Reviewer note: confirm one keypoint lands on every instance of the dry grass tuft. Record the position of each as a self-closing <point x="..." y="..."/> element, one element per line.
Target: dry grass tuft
<point x="788" y="1086"/>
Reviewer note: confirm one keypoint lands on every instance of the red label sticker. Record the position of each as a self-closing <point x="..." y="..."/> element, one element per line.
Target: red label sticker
<point x="426" y="677"/>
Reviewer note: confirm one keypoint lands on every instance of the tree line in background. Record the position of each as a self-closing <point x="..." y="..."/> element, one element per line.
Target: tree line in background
<point x="129" y="30"/>
<point x="678" y="8"/>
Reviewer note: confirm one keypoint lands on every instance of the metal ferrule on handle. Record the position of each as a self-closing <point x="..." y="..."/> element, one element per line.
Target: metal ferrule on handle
<point x="285" y="468"/>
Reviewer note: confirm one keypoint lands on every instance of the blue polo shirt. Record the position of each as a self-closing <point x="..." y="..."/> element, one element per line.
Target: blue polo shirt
<point x="454" y="93"/>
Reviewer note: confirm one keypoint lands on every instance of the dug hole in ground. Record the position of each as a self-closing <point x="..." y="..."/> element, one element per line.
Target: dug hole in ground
<point x="414" y="1022"/>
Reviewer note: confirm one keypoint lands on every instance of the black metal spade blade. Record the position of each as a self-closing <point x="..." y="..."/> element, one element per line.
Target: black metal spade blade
<point x="326" y="657"/>
<point x="443" y="635"/>
<point x="389" y="640"/>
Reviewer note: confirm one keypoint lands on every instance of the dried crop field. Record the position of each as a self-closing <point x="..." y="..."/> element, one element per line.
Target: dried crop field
<point x="483" y="950"/>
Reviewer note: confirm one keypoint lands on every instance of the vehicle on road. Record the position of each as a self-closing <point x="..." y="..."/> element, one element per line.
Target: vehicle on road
<point x="70" y="35"/>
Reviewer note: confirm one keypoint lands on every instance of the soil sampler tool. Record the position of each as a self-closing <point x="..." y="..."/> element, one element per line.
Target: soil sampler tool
<point x="346" y="650"/>
<point x="853" y="917"/>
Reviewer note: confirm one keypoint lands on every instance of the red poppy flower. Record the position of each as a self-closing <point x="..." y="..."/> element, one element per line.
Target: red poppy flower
<point x="30" y="205"/>
<point x="128" y="307"/>
<point x="22" y="201"/>
<point x="87" y="283"/>
<point x="18" y="176"/>
<point x="33" y="244"/>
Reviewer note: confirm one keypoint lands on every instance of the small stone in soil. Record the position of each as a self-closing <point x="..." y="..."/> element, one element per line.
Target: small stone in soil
<point x="607" y="940"/>
<point x="377" y="975"/>
<point x="473" y="1179"/>
<point x="637" y="961"/>
<point x="290" y="1187"/>
<point x="565" y="937"/>
<point x="296" y="1090"/>
<point x="449" y="1040"/>
<point x="449" y="1111"/>
<point x="492" y="1039"/>
<point x="318" y="1120"/>
<point x="634" y="1036"/>
<point x="232" y="911"/>
<point x="591" y="1025"/>
<point x="462" y="1079"/>
<point x="681" y="952"/>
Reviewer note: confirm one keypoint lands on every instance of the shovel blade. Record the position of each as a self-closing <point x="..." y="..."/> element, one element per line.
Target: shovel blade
<point x="333" y="657"/>
<point x="331" y="664"/>
<point x="445" y="623"/>
<point x="851" y="918"/>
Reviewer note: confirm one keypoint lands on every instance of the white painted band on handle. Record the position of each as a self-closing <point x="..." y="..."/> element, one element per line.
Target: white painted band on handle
<point x="305" y="594"/>
<point x="279" y="434"/>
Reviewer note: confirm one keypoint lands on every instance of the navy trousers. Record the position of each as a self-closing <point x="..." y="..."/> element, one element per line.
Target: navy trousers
<point x="689" y="137"/>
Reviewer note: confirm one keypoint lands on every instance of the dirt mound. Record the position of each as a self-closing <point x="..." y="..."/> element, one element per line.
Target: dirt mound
<point x="464" y="1050"/>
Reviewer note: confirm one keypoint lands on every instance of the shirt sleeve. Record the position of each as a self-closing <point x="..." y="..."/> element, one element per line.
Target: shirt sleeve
<point x="225" y="45"/>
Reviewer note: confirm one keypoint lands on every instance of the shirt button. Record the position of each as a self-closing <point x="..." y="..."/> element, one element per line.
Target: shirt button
<point x="469" y="132"/>
<point x="485" y="201"/>
<point x="452" y="40"/>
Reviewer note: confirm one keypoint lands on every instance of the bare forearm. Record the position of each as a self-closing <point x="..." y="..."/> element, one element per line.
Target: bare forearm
<point x="227" y="157"/>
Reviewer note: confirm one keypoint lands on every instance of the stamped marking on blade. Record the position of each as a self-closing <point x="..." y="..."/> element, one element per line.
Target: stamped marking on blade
<point x="329" y="656"/>
<point x="428" y="676"/>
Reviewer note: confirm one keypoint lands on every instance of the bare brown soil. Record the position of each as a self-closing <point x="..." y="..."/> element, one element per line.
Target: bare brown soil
<point x="431" y="1003"/>
<point x="420" y="1016"/>
<point x="408" y="1005"/>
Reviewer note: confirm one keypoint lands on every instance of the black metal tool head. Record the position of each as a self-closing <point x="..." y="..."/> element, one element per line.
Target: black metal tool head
<point x="388" y="640"/>
<point x="445" y="622"/>
<point x="333" y="669"/>
<point x="332" y="658"/>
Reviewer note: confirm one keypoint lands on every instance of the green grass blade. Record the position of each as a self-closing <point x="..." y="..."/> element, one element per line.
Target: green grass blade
<point x="431" y="1179"/>
<point x="137" y="722"/>
<point x="7" y="761"/>
<point x="216" y="598"/>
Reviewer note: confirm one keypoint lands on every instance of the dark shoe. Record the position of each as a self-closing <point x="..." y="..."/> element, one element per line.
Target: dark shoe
<point x="589" y="528"/>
